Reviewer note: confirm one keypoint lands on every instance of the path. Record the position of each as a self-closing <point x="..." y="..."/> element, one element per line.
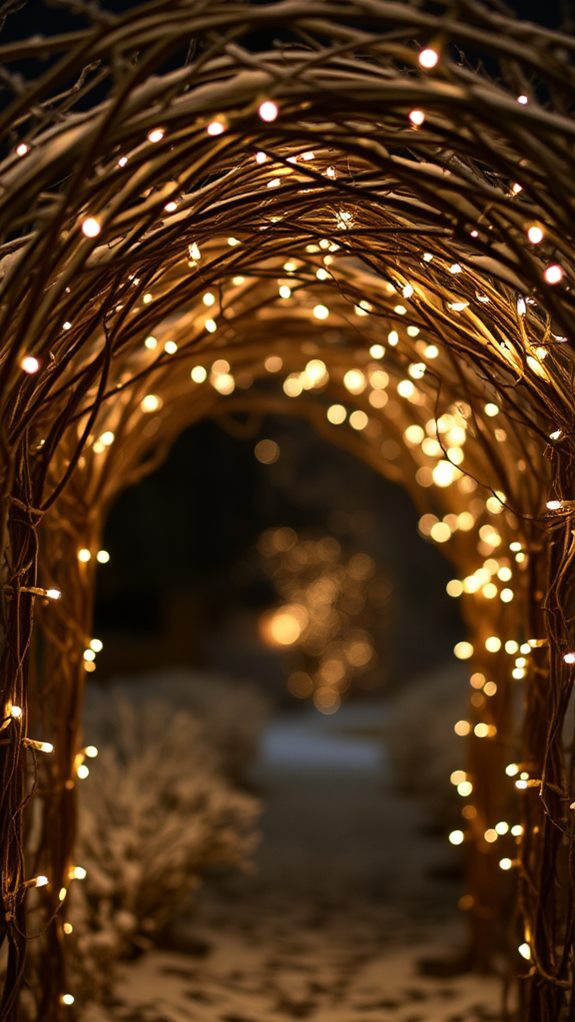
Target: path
<point x="341" y="908"/>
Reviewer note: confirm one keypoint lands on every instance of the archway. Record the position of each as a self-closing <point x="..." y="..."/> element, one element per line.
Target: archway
<point x="357" y="211"/>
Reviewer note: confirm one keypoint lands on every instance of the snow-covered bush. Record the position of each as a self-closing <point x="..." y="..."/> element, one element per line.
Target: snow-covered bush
<point x="157" y="814"/>
<point x="231" y="712"/>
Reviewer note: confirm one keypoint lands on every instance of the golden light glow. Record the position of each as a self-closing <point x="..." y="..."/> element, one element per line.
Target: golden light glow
<point x="428" y="58"/>
<point x="283" y="627"/>
<point x="267" y="452"/>
<point x="91" y="227"/>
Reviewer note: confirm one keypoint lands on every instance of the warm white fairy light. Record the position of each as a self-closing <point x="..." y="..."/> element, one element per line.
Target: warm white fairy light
<point x="102" y="557"/>
<point x="53" y="594"/>
<point x="553" y="274"/>
<point x="67" y="999"/>
<point x="535" y="233"/>
<point x="38" y="881"/>
<point x="77" y="873"/>
<point x="156" y="135"/>
<point x="39" y="746"/>
<point x="84" y="555"/>
<point x="268" y="111"/>
<point x="22" y="149"/>
<point x="417" y="117"/>
<point x="91" y="227"/>
<point x="569" y="657"/>
<point x="428" y="58"/>
<point x="150" y="403"/>
<point x="321" y="312"/>
<point x="216" y="127"/>
<point x="30" y="364"/>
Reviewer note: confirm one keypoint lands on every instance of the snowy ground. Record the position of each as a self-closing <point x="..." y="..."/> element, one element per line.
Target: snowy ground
<point x="340" y="911"/>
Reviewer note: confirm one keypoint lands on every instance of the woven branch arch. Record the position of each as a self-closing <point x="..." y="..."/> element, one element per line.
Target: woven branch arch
<point x="410" y="227"/>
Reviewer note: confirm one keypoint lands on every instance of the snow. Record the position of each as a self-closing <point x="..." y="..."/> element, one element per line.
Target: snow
<point x="340" y="910"/>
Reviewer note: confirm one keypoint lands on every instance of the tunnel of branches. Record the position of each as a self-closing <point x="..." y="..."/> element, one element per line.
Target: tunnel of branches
<point x="359" y="213"/>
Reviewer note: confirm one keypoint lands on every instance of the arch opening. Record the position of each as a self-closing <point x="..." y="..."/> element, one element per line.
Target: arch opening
<point x="394" y="234"/>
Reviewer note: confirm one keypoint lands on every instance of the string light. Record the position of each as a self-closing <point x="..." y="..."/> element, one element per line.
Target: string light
<point x="91" y="227"/>
<point x="428" y="58"/>
<point x="30" y="364"/>
<point x="33" y="743"/>
<point x="268" y="111"/>
<point x="553" y="274"/>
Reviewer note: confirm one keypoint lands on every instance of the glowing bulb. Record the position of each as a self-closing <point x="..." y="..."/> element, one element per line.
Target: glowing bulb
<point x="525" y="951"/>
<point x="535" y="234"/>
<point x="553" y="505"/>
<point x="83" y="771"/>
<point x="89" y="655"/>
<point x="268" y="111"/>
<point x="428" y="58"/>
<point x="417" y="117"/>
<point x="170" y="347"/>
<point x="505" y="863"/>
<point x="91" y="227"/>
<point x="569" y="658"/>
<point x="156" y="135"/>
<point x="22" y="149"/>
<point x="53" y="594"/>
<point x="40" y="881"/>
<point x="97" y="645"/>
<point x="321" y="311"/>
<point x="456" y="837"/>
<point x="354" y="381"/>
<point x="102" y="557"/>
<point x="553" y="274"/>
<point x="216" y="127"/>
<point x="77" y="873"/>
<point x="463" y="650"/>
<point x="150" y="343"/>
<point x="198" y="374"/>
<point x="336" y="414"/>
<point x="151" y="403"/>
<point x="16" y="712"/>
<point x="84" y="555"/>
<point x="91" y="751"/>
<point x="67" y="998"/>
<point x="512" y="769"/>
<point x="30" y="364"/>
